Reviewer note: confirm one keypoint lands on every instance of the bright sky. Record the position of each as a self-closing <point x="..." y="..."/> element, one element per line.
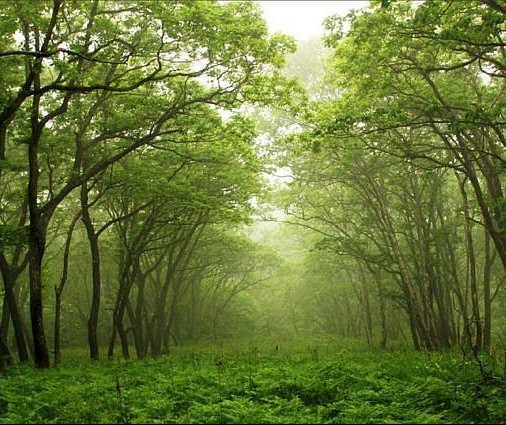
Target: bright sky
<point x="303" y="19"/>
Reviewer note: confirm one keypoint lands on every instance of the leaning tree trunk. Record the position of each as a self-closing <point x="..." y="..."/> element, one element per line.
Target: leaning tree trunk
<point x="10" y="274"/>
<point x="125" y="285"/>
<point x="11" y="308"/>
<point x="118" y="328"/>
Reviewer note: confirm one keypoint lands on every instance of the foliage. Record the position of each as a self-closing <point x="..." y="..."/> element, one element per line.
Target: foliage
<point x="94" y="88"/>
<point x="322" y="381"/>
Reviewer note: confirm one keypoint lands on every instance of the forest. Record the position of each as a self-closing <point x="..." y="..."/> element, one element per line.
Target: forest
<point x="203" y="221"/>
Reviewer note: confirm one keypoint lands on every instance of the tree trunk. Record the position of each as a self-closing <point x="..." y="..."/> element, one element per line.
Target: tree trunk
<point x="119" y="313"/>
<point x="37" y="233"/>
<point x="11" y="307"/>
<point x="123" y="336"/>
<point x="17" y="324"/>
<point x="59" y="290"/>
<point x="5" y="320"/>
<point x="138" y="318"/>
<point x="95" y="273"/>
<point x="362" y="293"/>
<point x="112" y="342"/>
<point x="487" y="300"/>
<point x="5" y="353"/>
<point x="116" y="316"/>
<point x="41" y="352"/>
<point x="118" y="329"/>
<point x="172" y="318"/>
<point x="382" y="307"/>
<point x="471" y="264"/>
<point x="414" y="332"/>
<point x="57" y="319"/>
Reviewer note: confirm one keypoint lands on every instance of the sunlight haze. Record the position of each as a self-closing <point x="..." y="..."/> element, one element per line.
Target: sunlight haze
<point x="304" y="19"/>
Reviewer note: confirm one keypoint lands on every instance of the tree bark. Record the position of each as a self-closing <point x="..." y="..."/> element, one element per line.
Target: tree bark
<point x="36" y="247"/>
<point x="11" y="307"/>
<point x="471" y="264"/>
<point x="95" y="275"/>
<point x="5" y="353"/>
<point x="59" y="291"/>
<point x="41" y="352"/>
<point x="487" y="299"/>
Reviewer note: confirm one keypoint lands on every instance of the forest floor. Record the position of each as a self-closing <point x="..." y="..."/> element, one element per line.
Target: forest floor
<point x="321" y="382"/>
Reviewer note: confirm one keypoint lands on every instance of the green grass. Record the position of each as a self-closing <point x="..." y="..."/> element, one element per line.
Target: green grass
<point x="323" y="382"/>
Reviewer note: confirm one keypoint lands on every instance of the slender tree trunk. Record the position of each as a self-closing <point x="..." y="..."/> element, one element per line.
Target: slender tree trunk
<point x="157" y="336"/>
<point x="138" y="318"/>
<point x="17" y="321"/>
<point x="498" y="236"/>
<point x="444" y="316"/>
<point x="193" y="311"/>
<point x="487" y="300"/>
<point x="361" y="289"/>
<point x="150" y="336"/>
<point x="419" y="328"/>
<point x="95" y="273"/>
<point x="384" y="322"/>
<point x="471" y="263"/>
<point x="11" y="308"/>
<point x="118" y="328"/>
<point x="168" y="332"/>
<point x="417" y="343"/>
<point x="160" y="313"/>
<point x="6" y="319"/>
<point x="124" y="300"/>
<point x="128" y="272"/>
<point x="17" y="324"/>
<point x="382" y="299"/>
<point x="423" y="264"/>
<point x="5" y="354"/>
<point x="123" y="267"/>
<point x="119" y="313"/>
<point x="112" y="342"/>
<point x="57" y="326"/>
<point x="123" y="336"/>
<point x="59" y="291"/>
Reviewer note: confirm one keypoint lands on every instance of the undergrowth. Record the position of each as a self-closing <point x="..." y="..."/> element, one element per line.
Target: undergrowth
<point x="324" y="382"/>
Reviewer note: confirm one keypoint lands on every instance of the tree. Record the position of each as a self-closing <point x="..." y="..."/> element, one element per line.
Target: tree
<point x="100" y="80"/>
<point x="420" y="83"/>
